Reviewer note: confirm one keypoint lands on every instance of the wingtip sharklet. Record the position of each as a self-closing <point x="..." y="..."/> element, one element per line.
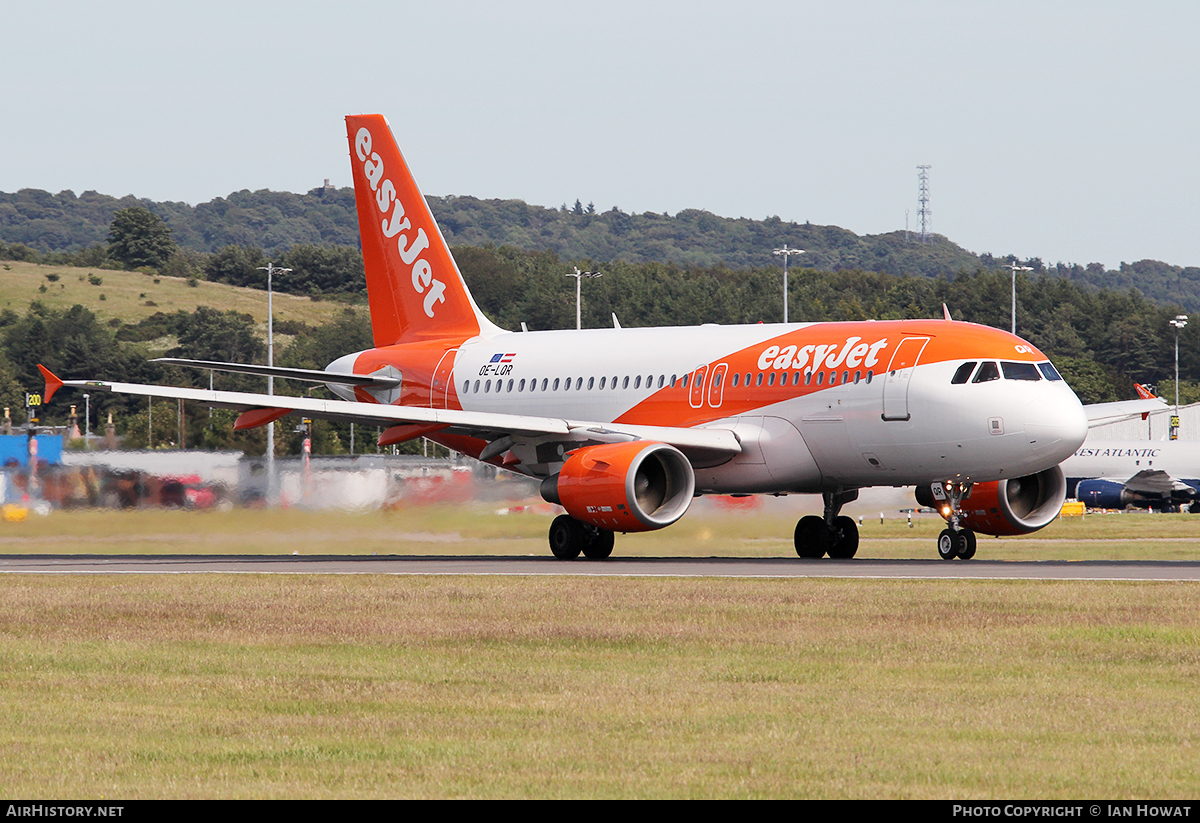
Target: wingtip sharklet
<point x="53" y="383"/>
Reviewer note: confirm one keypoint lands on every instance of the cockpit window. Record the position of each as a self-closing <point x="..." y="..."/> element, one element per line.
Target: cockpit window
<point x="1049" y="371"/>
<point x="1020" y="371"/>
<point x="987" y="371"/>
<point x="964" y="373"/>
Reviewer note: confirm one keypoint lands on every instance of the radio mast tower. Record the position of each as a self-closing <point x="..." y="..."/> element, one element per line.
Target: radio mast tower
<point x="925" y="213"/>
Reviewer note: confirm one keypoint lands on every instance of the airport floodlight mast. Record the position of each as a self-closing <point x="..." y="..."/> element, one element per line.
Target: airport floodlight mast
<point x="1179" y="322"/>
<point x="1015" y="268"/>
<point x="271" y="269"/>
<point x="925" y="213"/>
<point x="579" y="275"/>
<point x="786" y="253"/>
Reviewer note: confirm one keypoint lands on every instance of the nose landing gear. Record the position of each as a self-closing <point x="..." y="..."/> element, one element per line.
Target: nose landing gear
<point x="956" y="541"/>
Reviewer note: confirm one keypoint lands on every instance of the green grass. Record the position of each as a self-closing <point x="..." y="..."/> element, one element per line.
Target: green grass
<point x="478" y="529"/>
<point x="329" y="686"/>
<point x="380" y="686"/>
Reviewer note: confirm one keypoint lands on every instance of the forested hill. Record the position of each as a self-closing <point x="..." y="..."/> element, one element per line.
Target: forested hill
<point x="277" y="221"/>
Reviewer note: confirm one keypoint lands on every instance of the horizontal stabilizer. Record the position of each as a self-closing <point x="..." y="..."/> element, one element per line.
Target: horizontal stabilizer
<point x="311" y="375"/>
<point x="1100" y="413"/>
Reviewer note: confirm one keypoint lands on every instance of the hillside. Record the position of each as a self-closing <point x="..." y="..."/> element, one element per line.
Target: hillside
<point x="130" y="297"/>
<point x="280" y="222"/>
<point x="275" y="221"/>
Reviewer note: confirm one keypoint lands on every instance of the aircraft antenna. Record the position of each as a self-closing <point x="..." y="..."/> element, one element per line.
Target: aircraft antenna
<point x="924" y="213"/>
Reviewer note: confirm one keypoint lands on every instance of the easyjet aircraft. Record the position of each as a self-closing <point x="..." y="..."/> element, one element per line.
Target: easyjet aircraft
<point x="626" y="426"/>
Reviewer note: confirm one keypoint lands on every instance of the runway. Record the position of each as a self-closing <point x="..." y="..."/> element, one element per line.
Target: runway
<point x="782" y="567"/>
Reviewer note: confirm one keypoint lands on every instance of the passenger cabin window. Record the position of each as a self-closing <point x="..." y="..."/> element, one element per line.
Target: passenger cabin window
<point x="1049" y="371"/>
<point x="964" y="372"/>
<point x="1020" y="371"/>
<point x="987" y="371"/>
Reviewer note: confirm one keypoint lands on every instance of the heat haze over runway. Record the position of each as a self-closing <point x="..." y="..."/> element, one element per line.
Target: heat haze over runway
<point x="922" y="569"/>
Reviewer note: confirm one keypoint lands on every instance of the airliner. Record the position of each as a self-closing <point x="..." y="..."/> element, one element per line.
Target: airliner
<point x="1147" y="474"/>
<point x="624" y="427"/>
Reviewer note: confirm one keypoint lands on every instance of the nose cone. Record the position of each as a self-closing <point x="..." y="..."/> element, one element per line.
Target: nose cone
<point x="1055" y="427"/>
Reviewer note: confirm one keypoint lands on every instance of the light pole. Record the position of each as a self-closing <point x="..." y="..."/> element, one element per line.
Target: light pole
<point x="1015" y="268"/>
<point x="270" y="269"/>
<point x="87" y="417"/>
<point x="579" y="275"/>
<point x="1179" y="322"/>
<point x="786" y="252"/>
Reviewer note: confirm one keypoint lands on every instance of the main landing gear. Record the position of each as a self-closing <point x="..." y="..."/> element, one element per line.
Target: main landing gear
<point x="570" y="537"/>
<point x="833" y="534"/>
<point x="956" y="541"/>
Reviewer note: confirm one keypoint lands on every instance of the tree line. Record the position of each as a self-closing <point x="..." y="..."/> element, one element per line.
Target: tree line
<point x="67" y="229"/>
<point x="1102" y="340"/>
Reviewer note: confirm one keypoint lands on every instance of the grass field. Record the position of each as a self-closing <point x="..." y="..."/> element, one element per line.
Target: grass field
<point x="390" y="686"/>
<point x="133" y="296"/>
<point x="477" y="529"/>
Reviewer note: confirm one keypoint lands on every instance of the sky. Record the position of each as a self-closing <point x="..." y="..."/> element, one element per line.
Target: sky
<point x="1060" y="130"/>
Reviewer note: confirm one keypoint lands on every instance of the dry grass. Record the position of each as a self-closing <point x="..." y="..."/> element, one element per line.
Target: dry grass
<point x="123" y="292"/>
<point x="374" y="686"/>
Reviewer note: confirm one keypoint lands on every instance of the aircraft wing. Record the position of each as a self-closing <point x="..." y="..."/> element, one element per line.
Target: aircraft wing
<point x="1101" y="413"/>
<point x="259" y="409"/>
<point x="1157" y="483"/>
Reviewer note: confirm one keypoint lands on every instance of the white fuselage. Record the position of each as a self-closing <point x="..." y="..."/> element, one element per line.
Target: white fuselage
<point x="871" y="427"/>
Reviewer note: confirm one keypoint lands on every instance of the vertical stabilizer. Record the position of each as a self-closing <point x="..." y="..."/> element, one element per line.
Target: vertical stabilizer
<point x="413" y="284"/>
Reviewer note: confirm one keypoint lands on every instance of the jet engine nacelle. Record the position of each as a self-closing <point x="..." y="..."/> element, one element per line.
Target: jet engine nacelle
<point x="1104" y="494"/>
<point x="624" y="487"/>
<point x="1005" y="507"/>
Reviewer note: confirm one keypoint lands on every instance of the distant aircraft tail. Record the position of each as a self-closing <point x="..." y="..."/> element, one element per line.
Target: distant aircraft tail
<point x="413" y="284"/>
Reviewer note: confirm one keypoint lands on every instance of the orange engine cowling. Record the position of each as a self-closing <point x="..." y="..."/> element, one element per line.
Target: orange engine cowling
<point x="1006" y="507"/>
<point x="624" y="487"/>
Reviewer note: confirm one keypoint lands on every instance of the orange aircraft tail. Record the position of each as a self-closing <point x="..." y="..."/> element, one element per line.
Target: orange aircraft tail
<point x="413" y="284"/>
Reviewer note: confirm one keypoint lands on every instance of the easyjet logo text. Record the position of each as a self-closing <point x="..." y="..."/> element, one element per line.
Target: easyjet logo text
<point x="396" y="224"/>
<point x="827" y="355"/>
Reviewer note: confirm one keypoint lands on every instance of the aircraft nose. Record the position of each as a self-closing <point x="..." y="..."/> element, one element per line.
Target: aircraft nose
<point x="1055" y="429"/>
